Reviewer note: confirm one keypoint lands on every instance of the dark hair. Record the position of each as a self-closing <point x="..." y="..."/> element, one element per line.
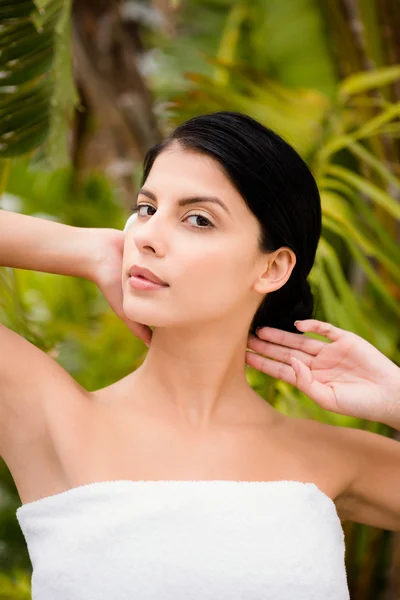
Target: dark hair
<point x="278" y="188"/>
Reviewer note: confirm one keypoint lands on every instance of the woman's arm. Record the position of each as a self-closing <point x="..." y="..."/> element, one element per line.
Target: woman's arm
<point x="40" y="245"/>
<point x="89" y="252"/>
<point x="30" y="380"/>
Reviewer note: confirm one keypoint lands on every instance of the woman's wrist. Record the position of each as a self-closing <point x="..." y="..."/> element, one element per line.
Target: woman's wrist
<point x="99" y="244"/>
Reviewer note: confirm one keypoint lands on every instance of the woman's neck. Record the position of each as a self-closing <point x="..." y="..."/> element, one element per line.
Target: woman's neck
<point x="197" y="379"/>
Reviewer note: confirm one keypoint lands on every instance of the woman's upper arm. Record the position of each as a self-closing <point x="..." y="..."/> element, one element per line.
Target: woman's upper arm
<point x="373" y="497"/>
<point x="29" y="379"/>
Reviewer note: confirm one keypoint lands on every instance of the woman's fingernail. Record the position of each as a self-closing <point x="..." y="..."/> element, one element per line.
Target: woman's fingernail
<point x="296" y="322"/>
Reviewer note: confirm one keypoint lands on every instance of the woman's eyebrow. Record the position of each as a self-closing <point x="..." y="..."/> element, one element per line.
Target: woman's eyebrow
<point x="186" y="201"/>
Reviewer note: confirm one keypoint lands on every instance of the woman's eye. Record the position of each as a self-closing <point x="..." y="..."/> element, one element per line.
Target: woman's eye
<point x="136" y="209"/>
<point x="208" y="224"/>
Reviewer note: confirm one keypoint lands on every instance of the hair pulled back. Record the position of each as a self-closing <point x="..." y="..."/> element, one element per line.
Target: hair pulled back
<point x="278" y="188"/>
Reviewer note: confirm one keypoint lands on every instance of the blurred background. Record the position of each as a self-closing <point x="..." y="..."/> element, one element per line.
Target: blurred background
<point x="87" y="87"/>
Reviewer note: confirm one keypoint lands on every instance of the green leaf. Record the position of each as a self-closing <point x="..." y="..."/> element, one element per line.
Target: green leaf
<point x="371" y="127"/>
<point x="361" y="210"/>
<point x="41" y="5"/>
<point x="351" y="313"/>
<point x="65" y="96"/>
<point x="14" y="32"/>
<point x="49" y="14"/>
<point x="377" y="164"/>
<point x="16" y="10"/>
<point x="370" y="190"/>
<point x="34" y="53"/>
<point x="334" y="310"/>
<point x="229" y="41"/>
<point x="368" y="80"/>
<point x="12" y="104"/>
<point x="5" y="166"/>
<point x="19" y="72"/>
<point x="21" y="142"/>
<point x="337" y="209"/>
<point x="19" y="109"/>
<point x="22" y="49"/>
<point x="24" y="118"/>
<point x="376" y="281"/>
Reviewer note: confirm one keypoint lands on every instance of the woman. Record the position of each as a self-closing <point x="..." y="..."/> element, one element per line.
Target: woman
<point x="179" y="481"/>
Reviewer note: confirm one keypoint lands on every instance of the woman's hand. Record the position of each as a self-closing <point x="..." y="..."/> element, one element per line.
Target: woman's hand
<point x="348" y="375"/>
<point x="106" y="273"/>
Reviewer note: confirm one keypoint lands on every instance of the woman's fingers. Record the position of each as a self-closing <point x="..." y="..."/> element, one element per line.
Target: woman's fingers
<point x="321" y="327"/>
<point x="298" y="375"/>
<point x="275" y="369"/>
<point x="317" y="391"/>
<point x="281" y="353"/>
<point x="291" y="340"/>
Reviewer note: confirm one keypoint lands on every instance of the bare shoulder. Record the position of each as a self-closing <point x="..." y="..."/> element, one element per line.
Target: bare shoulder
<point x="322" y="438"/>
<point x="361" y="465"/>
<point x="372" y="496"/>
<point x="329" y="450"/>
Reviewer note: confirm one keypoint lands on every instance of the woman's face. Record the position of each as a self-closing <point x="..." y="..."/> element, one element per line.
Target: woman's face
<point x="207" y="253"/>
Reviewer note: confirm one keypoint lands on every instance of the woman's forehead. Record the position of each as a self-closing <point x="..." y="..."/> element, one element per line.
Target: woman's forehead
<point x="184" y="174"/>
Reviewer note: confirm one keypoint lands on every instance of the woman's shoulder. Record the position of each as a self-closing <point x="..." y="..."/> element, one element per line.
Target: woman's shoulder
<point x="325" y="447"/>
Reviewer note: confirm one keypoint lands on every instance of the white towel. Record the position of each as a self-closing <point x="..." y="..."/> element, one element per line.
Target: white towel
<point x="186" y="540"/>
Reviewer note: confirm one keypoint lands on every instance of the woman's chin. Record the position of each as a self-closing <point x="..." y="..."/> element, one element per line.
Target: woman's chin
<point x="140" y="316"/>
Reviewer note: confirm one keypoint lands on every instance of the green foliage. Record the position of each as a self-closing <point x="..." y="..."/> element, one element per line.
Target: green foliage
<point x="282" y="40"/>
<point x="33" y="47"/>
<point x="287" y="42"/>
<point x="15" y="586"/>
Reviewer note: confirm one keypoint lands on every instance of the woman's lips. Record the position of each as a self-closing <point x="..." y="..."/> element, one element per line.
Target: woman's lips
<point x="139" y="283"/>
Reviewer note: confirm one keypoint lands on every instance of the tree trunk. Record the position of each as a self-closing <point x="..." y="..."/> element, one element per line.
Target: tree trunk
<point x="118" y="125"/>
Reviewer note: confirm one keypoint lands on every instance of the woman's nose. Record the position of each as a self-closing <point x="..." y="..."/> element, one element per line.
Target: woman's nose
<point x="147" y="233"/>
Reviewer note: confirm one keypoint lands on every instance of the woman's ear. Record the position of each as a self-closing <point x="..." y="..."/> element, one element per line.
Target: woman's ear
<point x="277" y="271"/>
